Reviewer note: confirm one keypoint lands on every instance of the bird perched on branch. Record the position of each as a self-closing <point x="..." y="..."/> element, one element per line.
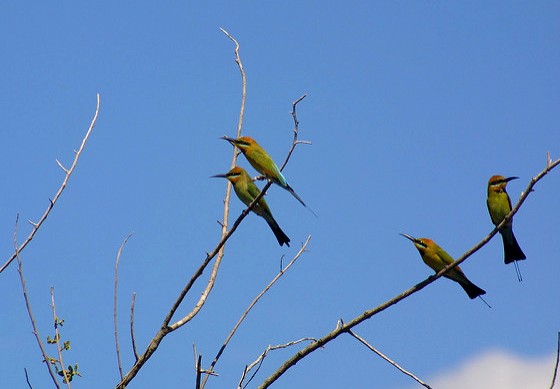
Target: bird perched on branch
<point x="247" y="191"/>
<point x="262" y="162"/>
<point x="499" y="205"/>
<point x="436" y="258"/>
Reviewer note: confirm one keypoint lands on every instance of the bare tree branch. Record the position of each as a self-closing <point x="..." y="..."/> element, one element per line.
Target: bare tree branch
<point x="261" y="358"/>
<point x="30" y="313"/>
<point x="27" y="377"/>
<point x="296" y="132"/>
<point x="556" y="364"/>
<point x="132" y="338"/>
<point x="68" y="173"/>
<point x="362" y="340"/>
<point x="369" y="313"/>
<point x="253" y="303"/>
<point x="115" y="297"/>
<point x="198" y="371"/>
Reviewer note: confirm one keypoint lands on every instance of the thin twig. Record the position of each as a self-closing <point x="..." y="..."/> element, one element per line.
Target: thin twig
<point x="369" y="313"/>
<point x="52" y="202"/>
<point x="132" y="338"/>
<point x="295" y="141"/>
<point x="243" y="82"/>
<point x="115" y="305"/>
<point x="253" y="303"/>
<point x="362" y="340"/>
<point x="198" y="371"/>
<point x="57" y="341"/>
<point x="556" y="364"/>
<point x="27" y="379"/>
<point x="261" y="358"/>
<point x="29" y="312"/>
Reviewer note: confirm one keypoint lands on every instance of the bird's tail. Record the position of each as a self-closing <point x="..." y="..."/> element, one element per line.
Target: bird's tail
<point x="512" y="251"/>
<point x="472" y="290"/>
<point x="281" y="237"/>
<point x="291" y="190"/>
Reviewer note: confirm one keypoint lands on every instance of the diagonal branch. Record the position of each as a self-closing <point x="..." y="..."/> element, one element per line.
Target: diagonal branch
<point x="68" y="173"/>
<point x="386" y="358"/>
<point x="28" y="306"/>
<point x="253" y="303"/>
<point x="369" y="313"/>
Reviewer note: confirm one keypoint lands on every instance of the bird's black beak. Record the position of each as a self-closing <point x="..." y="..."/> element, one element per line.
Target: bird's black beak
<point x="511" y="178"/>
<point x="230" y="140"/>
<point x="411" y="238"/>
<point x="219" y="176"/>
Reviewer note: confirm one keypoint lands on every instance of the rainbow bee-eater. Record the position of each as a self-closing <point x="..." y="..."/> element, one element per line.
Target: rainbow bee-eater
<point x="247" y="191"/>
<point x="499" y="205"/>
<point x="436" y="258"/>
<point x="262" y="162"/>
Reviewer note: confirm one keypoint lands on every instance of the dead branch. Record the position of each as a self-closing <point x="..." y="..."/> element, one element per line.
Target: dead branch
<point x="386" y="358"/>
<point x="68" y="173"/>
<point x="132" y="338"/>
<point x="259" y="361"/>
<point x="115" y="295"/>
<point x="556" y="364"/>
<point x="29" y="312"/>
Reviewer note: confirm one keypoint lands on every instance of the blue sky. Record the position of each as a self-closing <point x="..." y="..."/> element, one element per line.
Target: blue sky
<point x="411" y="107"/>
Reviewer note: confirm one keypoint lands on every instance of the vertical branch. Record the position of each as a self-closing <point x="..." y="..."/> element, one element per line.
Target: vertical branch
<point x="68" y="173"/>
<point x="29" y="312"/>
<point x="132" y="338"/>
<point x="243" y="83"/>
<point x="198" y="371"/>
<point x="115" y="294"/>
<point x="57" y="341"/>
<point x="556" y="365"/>
<point x="220" y="255"/>
<point x="296" y="132"/>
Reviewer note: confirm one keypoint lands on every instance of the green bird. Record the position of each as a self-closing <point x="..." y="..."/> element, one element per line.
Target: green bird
<point x="262" y="162"/>
<point x="436" y="258"/>
<point x="499" y="205"/>
<point x="247" y="191"/>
